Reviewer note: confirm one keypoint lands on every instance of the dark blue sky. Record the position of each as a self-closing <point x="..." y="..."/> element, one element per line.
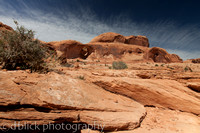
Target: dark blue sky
<point x="170" y="24"/>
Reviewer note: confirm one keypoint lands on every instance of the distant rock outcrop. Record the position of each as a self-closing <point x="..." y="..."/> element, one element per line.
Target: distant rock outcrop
<point x="5" y="27"/>
<point x="137" y="40"/>
<point x="70" y="49"/>
<point x="129" y="47"/>
<point x="193" y="60"/>
<point x="196" y="60"/>
<point x="111" y="37"/>
<point x="161" y="55"/>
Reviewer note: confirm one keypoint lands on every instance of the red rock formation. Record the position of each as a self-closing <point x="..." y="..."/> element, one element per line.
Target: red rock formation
<point x="196" y="60"/>
<point x="137" y="40"/>
<point x="161" y="55"/>
<point x="194" y="86"/>
<point x="70" y="49"/>
<point x="193" y="61"/>
<point x="5" y="27"/>
<point x="111" y="37"/>
<point x="159" y="93"/>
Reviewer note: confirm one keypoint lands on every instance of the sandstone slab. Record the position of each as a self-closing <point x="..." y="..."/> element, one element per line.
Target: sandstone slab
<point x="59" y="98"/>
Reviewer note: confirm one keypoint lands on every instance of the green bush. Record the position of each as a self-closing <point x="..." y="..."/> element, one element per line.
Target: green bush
<point x="18" y="48"/>
<point x="81" y="77"/>
<point x="187" y="68"/>
<point x="162" y="65"/>
<point x="170" y="67"/>
<point x="119" y="65"/>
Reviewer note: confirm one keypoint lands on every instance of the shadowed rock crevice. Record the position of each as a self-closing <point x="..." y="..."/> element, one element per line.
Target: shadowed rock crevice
<point x="17" y="107"/>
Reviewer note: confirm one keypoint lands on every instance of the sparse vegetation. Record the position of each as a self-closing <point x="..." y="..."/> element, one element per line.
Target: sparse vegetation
<point x="84" y="63"/>
<point x="187" y="68"/>
<point x="170" y="67"/>
<point x="119" y="65"/>
<point x="156" y="65"/>
<point x="19" y="49"/>
<point x="81" y="77"/>
<point x="67" y="65"/>
<point x="162" y="65"/>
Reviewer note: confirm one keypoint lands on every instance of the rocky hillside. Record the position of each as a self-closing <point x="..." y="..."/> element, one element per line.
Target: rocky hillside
<point x="156" y="93"/>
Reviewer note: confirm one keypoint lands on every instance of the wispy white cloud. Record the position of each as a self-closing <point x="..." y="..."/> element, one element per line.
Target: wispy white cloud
<point x="84" y="25"/>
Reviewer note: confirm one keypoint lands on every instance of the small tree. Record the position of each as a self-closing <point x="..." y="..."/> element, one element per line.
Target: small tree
<point x="18" y="48"/>
<point x="119" y="65"/>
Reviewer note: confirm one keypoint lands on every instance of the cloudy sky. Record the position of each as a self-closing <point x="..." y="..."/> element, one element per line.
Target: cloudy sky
<point x="170" y="24"/>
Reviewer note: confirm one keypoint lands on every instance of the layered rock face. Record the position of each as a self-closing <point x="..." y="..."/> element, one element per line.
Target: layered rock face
<point x="54" y="98"/>
<point x="153" y="93"/>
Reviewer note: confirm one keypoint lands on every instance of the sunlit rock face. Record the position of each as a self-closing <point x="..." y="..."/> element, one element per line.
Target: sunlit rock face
<point x="5" y="27"/>
<point x="111" y="37"/>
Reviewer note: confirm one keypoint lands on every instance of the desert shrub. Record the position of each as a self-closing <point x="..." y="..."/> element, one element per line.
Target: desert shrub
<point x="162" y="65"/>
<point x="170" y="67"/>
<point x="67" y="65"/>
<point x="81" y="77"/>
<point x="119" y="65"/>
<point x="18" y="48"/>
<point x="187" y="68"/>
<point x="156" y="65"/>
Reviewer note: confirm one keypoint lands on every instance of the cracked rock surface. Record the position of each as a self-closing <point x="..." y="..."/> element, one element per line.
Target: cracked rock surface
<point x="56" y="98"/>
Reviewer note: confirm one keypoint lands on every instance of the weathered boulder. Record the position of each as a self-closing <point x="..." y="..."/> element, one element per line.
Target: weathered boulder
<point x="161" y="55"/>
<point x="137" y="40"/>
<point x="109" y="37"/>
